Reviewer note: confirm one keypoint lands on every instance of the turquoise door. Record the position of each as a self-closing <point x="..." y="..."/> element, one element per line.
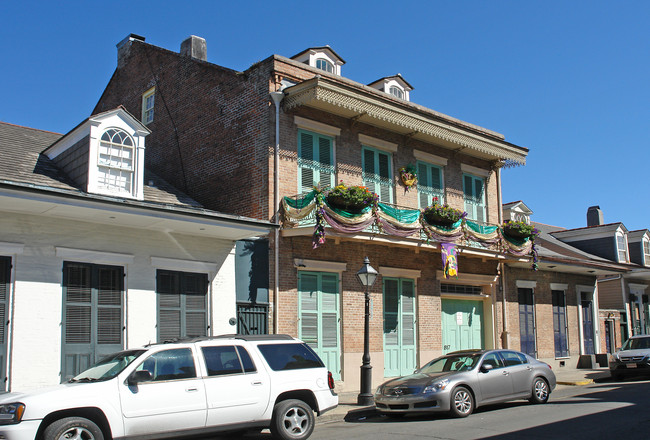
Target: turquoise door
<point x="462" y="324"/>
<point x="318" y="309"/>
<point x="399" y="327"/>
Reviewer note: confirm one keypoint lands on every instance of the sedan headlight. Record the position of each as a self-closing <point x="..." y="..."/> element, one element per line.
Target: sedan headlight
<point x="436" y="386"/>
<point x="11" y="413"/>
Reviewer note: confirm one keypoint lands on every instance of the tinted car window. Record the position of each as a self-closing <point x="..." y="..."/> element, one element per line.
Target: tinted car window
<point x="492" y="359"/>
<point x="512" y="358"/>
<point x="222" y="360"/>
<point x="249" y="366"/>
<point x="462" y="362"/>
<point x="636" y="344"/>
<point x="170" y="364"/>
<point x="290" y="356"/>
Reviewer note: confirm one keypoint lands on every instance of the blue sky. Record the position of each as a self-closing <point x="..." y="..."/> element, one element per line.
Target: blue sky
<point x="567" y="79"/>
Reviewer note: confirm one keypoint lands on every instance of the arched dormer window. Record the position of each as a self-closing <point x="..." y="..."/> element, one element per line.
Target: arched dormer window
<point x="396" y="91"/>
<point x="325" y="65"/>
<point x="116" y="164"/>
<point x="646" y="252"/>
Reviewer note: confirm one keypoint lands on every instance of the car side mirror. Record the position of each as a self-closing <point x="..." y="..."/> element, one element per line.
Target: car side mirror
<point x="486" y="367"/>
<point x="139" y="376"/>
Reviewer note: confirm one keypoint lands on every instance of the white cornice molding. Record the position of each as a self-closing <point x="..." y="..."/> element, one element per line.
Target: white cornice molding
<point x="89" y="256"/>
<point x="474" y="170"/>
<point x="396" y="272"/>
<point x="431" y="158"/>
<point x="640" y="287"/>
<point x="183" y="265"/>
<point x="559" y="286"/>
<point x="318" y="265"/>
<point x="11" y="248"/>
<point x="377" y="143"/>
<point x="525" y="284"/>
<point x="316" y="126"/>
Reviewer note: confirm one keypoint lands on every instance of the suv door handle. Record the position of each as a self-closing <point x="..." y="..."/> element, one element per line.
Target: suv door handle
<point x="191" y="390"/>
<point x="256" y="383"/>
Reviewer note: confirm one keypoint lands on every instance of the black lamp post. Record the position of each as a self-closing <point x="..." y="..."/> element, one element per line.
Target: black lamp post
<point x="367" y="276"/>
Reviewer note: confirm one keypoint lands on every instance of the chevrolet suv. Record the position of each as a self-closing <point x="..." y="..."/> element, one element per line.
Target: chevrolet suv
<point x="201" y="386"/>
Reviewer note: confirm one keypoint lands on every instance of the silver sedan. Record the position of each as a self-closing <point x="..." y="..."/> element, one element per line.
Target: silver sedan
<point x="463" y="380"/>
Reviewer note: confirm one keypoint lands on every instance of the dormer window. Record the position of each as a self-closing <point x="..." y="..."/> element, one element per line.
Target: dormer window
<point x="324" y="65"/>
<point x="396" y="91"/>
<point x="621" y="247"/>
<point x="115" y="162"/>
<point x="646" y="251"/>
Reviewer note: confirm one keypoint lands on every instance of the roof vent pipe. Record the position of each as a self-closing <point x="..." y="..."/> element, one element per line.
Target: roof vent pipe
<point x="594" y="216"/>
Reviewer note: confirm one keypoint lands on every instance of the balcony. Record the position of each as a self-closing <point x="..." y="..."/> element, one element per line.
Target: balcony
<point x="310" y="215"/>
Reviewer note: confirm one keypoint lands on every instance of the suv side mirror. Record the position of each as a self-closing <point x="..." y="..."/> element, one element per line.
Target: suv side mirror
<point x="139" y="376"/>
<point x="486" y="367"/>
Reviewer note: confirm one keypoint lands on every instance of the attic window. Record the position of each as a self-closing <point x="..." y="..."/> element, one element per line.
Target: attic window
<point x="396" y="91"/>
<point x="646" y="252"/>
<point x="325" y="65"/>
<point x="621" y="245"/>
<point x="116" y="161"/>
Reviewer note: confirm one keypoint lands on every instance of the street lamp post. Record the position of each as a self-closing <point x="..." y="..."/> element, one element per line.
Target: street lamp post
<point x="367" y="276"/>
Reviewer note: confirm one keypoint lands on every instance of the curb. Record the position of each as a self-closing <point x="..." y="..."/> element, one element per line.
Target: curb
<point x="576" y="382"/>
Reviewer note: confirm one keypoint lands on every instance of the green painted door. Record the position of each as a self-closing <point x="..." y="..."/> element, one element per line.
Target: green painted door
<point x="399" y="327"/>
<point x="462" y="324"/>
<point x="318" y="309"/>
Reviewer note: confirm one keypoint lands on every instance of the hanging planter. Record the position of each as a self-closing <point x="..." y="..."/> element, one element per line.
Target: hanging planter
<point x="408" y="176"/>
<point x="518" y="230"/>
<point x="353" y="199"/>
<point x="442" y="215"/>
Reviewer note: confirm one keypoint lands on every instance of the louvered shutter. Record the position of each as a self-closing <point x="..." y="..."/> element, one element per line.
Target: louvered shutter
<point x="182" y="305"/>
<point x="386" y="187"/>
<point x="195" y="295"/>
<point x="478" y="196"/>
<point x="325" y="159"/>
<point x="306" y="159"/>
<point x="309" y="309"/>
<point x="329" y="305"/>
<point x="109" y="306"/>
<point x="78" y="307"/>
<point x="377" y="174"/>
<point x="423" y="185"/>
<point x="369" y="169"/>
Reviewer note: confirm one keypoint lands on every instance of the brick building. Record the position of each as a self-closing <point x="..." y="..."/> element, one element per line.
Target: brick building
<point x="240" y="142"/>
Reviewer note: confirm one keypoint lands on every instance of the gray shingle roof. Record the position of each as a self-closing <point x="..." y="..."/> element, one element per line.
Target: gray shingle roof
<point x="22" y="164"/>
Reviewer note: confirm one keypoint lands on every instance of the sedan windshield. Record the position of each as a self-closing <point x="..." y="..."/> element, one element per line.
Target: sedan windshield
<point x="637" y="344"/>
<point x="458" y="362"/>
<point x="109" y="367"/>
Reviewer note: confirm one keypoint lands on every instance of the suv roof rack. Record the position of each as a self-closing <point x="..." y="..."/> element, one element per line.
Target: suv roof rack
<point x="278" y="337"/>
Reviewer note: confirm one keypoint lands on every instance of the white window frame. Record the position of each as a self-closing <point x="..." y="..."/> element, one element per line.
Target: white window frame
<point x="328" y="64"/>
<point x="396" y="91"/>
<point x="148" y="103"/>
<point x="621" y="240"/>
<point x="115" y="174"/>
<point x="645" y="246"/>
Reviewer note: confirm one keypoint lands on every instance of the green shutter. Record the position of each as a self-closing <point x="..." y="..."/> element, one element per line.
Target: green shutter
<point x="377" y="174"/>
<point x="399" y="327"/>
<point x="315" y="161"/>
<point x="429" y="184"/>
<point x="474" y="191"/>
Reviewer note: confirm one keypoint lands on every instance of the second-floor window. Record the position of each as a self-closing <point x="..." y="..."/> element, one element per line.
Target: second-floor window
<point x="429" y="184"/>
<point x="315" y="161"/>
<point x="474" y="193"/>
<point x="377" y="173"/>
<point x="646" y="252"/>
<point x="621" y="247"/>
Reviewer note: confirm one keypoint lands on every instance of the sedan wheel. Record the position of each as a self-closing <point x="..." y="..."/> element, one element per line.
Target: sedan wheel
<point x="540" y="391"/>
<point x="462" y="402"/>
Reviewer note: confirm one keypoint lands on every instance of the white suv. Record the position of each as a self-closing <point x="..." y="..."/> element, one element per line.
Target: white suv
<point x="200" y="386"/>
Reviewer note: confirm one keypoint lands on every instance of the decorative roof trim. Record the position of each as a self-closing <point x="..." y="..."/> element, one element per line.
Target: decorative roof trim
<point x="373" y="108"/>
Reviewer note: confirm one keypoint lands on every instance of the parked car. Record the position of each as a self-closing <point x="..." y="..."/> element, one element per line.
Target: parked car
<point x="633" y="358"/>
<point x="200" y="386"/>
<point x="461" y="381"/>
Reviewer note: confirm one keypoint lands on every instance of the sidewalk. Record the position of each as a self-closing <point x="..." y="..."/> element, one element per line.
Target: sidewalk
<point x="348" y="410"/>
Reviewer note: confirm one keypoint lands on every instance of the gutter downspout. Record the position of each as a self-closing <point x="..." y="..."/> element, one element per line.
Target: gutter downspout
<point x="277" y="98"/>
<point x="504" y="336"/>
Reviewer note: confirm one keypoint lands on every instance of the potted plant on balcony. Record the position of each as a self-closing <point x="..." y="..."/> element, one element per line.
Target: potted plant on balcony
<point x="350" y="198"/>
<point x="408" y="176"/>
<point x="442" y="215"/>
<point x="518" y="230"/>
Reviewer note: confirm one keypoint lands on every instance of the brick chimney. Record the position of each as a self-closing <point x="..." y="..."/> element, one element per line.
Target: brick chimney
<point x="194" y="47"/>
<point x="124" y="47"/>
<point x="594" y="216"/>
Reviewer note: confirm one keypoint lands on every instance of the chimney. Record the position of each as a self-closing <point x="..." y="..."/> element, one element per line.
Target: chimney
<point x="594" y="216"/>
<point x="124" y="47"/>
<point x="194" y="47"/>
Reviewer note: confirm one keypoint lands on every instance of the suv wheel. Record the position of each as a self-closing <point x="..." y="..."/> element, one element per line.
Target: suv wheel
<point x="292" y="420"/>
<point x="76" y="428"/>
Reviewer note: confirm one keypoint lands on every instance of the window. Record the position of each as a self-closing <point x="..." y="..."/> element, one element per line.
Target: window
<point x="170" y="365"/>
<point x="227" y="360"/>
<point x="559" y="323"/>
<point x="282" y="357"/>
<point x="377" y="173"/>
<point x="621" y="245"/>
<point x="511" y="358"/>
<point x="429" y="184"/>
<point x="148" y="99"/>
<point x="646" y="252"/>
<point x="116" y="161"/>
<point x="396" y="91"/>
<point x="182" y="304"/>
<point x="527" y="320"/>
<point x="492" y="359"/>
<point x="474" y="191"/>
<point x="324" y="65"/>
<point x="315" y="161"/>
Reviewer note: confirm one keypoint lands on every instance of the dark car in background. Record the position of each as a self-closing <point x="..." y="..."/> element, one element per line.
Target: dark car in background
<point x="461" y="381"/>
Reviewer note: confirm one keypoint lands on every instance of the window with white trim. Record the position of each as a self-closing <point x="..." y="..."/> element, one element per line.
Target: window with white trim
<point x="646" y="252"/>
<point x="325" y="65"/>
<point x="315" y="161"/>
<point x="378" y="173"/>
<point x="116" y="161"/>
<point x="148" y="99"/>
<point x="621" y="247"/>
<point x="430" y="185"/>
<point x="396" y="91"/>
